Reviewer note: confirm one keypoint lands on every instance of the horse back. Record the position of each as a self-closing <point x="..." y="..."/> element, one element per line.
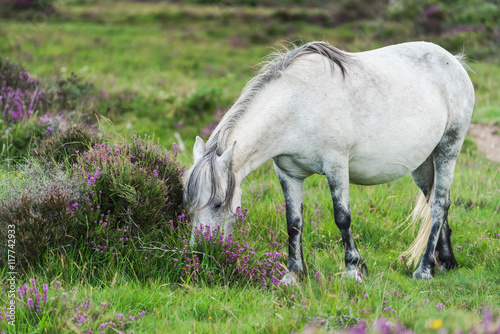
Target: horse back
<point x="389" y="111"/>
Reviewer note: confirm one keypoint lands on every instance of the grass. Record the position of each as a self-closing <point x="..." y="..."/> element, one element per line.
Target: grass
<point x="465" y="293"/>
<point x="132" y="48"/>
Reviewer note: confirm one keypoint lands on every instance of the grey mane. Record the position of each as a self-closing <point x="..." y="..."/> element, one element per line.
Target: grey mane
<point x="273" y="67"/>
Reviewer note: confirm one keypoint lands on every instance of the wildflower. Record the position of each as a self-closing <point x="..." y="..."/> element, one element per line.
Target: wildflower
<point x="435" y="324"/>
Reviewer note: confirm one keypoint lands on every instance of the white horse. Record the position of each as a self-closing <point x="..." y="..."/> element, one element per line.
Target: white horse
<point x="364" y="118"/>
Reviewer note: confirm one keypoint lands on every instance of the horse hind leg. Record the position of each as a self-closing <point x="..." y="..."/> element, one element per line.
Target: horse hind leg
<point x="338" y="180"/>
<point x="424" y="176"/>
<point x="424" y="179"/>
<point x="444" y="156"/>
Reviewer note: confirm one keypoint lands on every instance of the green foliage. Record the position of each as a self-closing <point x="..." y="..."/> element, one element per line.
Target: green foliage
<point x="72" y="91"/>
<point x="199" y="103"/>
<point x="352" y="10"/>
<point x="16" y="140"/>
<point x="27" y="8"/>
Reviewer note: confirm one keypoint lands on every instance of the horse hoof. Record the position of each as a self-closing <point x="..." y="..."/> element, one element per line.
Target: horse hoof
<point x="447" y="266"/>
<point x="353" y="274"/>
<point x="290" y="278"/>
<point x="422" y="275"/>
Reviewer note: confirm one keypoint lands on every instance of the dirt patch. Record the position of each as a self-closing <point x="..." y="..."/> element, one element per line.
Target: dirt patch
<point x="487" y="138"/>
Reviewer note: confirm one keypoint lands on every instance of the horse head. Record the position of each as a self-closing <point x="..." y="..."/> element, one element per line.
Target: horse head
<point x="210" y="189"/>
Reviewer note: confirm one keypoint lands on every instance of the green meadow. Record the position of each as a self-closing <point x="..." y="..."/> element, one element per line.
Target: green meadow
<point x="160" y="68"/>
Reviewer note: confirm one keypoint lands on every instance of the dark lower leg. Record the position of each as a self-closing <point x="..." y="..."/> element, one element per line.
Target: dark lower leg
<point x="446" y="258"/>
<point x="353" y="260"/>
<point x="295" y="253"/>
<point x="439" y="212"/>
<point x="293" y="191"/>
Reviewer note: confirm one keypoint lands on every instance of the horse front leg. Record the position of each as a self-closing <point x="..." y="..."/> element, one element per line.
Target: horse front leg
<point x="338" y="180"/>
<point x="293" y="191"/>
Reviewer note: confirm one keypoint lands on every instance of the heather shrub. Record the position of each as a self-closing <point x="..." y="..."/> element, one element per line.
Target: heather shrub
<point x="67" y="310"/>
<point x="39" y="200"/>
<point x="137" y="184"/>
<point x="215" y="259"/>
<point x="432" y="19"/>
<point x="65" y="144"/>
<point x="28" y="110"/>
<point x="21" y="96"/>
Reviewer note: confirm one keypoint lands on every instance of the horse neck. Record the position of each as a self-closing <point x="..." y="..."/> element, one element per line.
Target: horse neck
<point x="258" y="139"/>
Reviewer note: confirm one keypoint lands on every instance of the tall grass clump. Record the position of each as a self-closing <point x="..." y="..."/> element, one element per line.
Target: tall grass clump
<point x="65" y="144"/>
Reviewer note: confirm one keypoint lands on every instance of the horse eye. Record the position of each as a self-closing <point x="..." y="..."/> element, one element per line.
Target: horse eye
<point x="217" y="204"/>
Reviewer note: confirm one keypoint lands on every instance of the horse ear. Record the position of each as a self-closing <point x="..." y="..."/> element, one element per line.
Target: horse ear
<point x="198" y="149"/>
<point x="225" y="159"/>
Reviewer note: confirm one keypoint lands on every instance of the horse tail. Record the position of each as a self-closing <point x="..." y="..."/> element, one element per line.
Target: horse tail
<point x="462" y="59"/>
<point x="422" y="211"/>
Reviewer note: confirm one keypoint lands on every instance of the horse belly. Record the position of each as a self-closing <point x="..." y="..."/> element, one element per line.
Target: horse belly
<point x="372" y="172"/>
<point x="381" y="159"/>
